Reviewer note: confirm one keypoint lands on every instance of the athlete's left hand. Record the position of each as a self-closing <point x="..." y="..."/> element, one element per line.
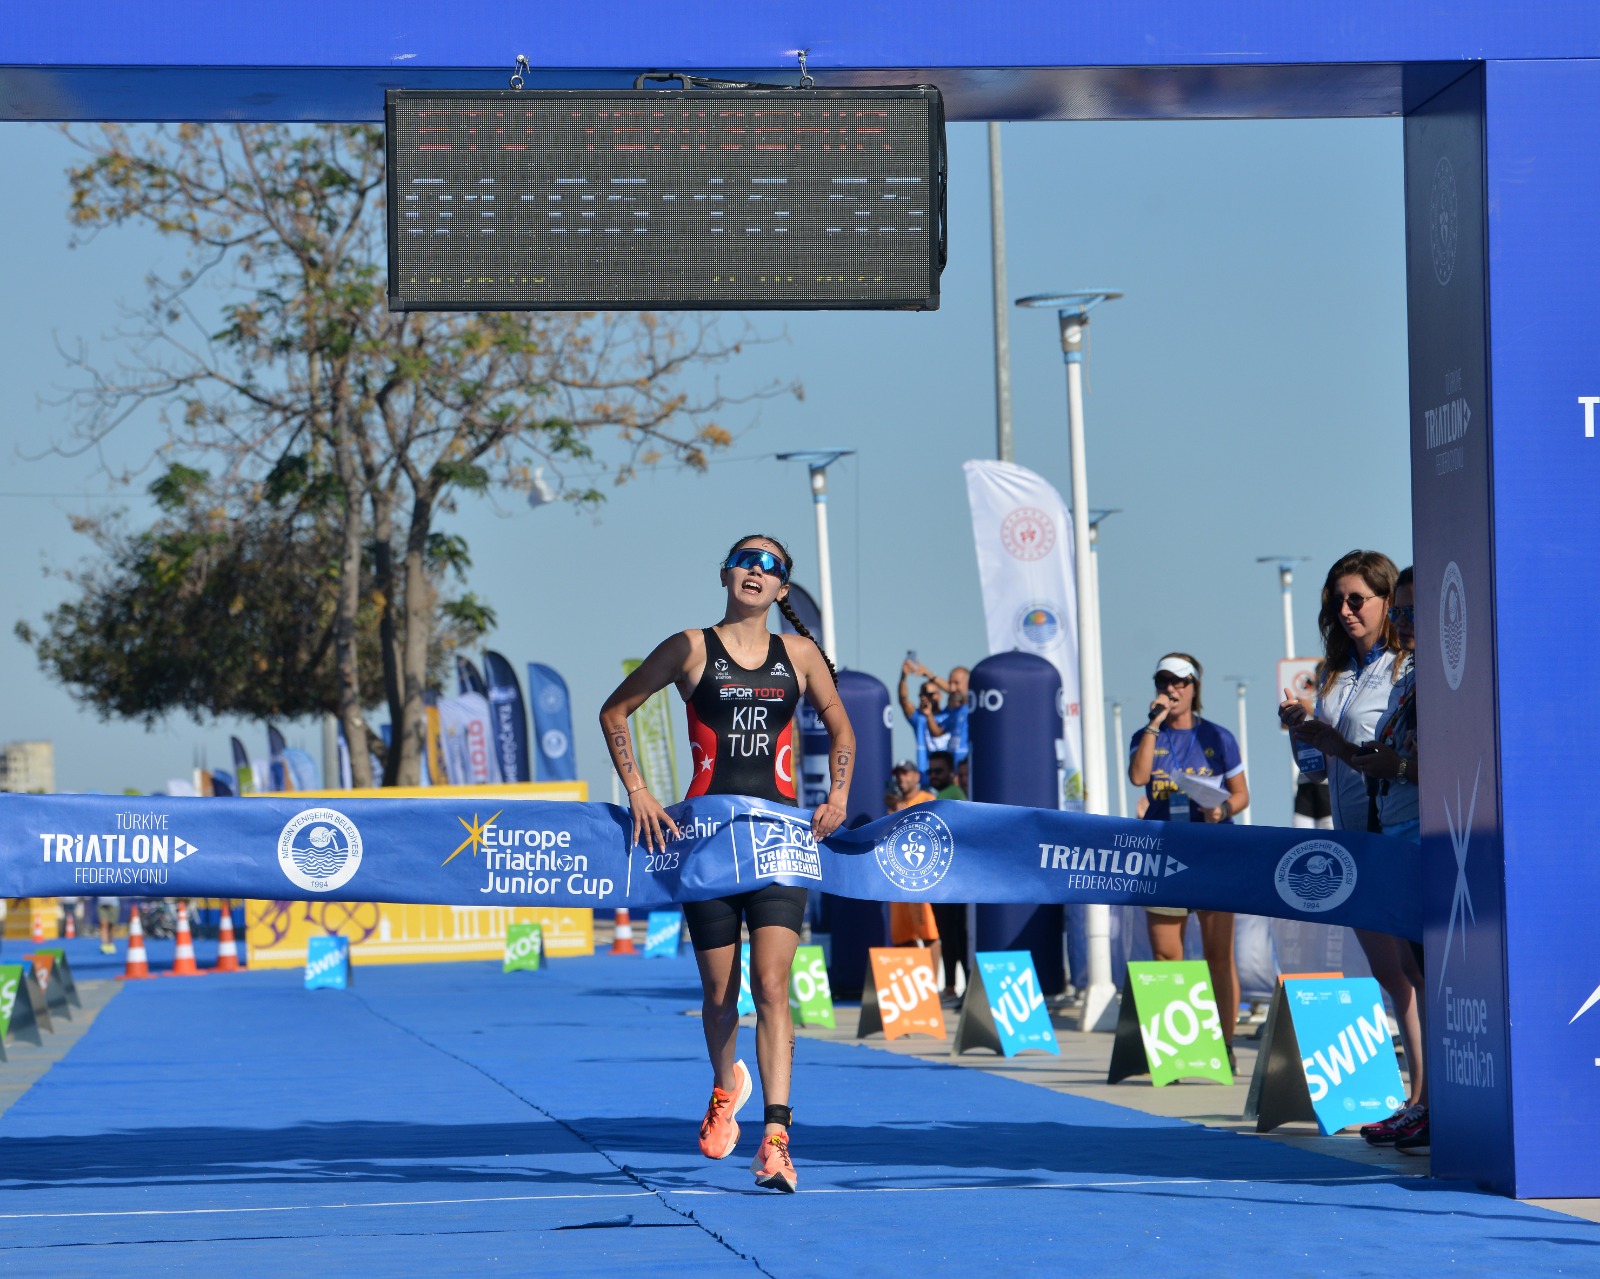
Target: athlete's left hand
<point x="827" y="819"/>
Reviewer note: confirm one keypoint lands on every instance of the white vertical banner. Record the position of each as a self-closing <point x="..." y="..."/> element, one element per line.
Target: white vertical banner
<point x="1023" y="536"/>
<point x="468" y="733"/>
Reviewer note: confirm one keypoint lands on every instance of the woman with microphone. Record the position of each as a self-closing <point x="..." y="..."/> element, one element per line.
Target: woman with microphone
<point x="1177" y="742"/>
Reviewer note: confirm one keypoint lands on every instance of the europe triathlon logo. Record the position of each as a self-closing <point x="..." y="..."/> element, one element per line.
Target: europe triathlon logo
<point x="916" y="852"/>
<point x="319" y="850"/>
<point x="527" y="862"/>
<point x="1316" y="876"/>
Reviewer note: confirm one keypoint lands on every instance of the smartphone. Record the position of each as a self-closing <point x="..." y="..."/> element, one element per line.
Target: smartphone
<point x="911" y="656"/>
<point x="1367" y="748"/>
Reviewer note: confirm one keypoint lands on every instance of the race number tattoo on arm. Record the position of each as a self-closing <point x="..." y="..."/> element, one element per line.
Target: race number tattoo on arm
<point x="619" y="750"/>
<point x="841" y="769"/>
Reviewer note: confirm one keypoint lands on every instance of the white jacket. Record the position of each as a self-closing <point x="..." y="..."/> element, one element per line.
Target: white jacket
<point x="1353" y="704"/>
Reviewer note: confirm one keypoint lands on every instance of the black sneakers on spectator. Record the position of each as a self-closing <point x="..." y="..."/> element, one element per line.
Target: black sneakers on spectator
<point x="1417" y="1142"/>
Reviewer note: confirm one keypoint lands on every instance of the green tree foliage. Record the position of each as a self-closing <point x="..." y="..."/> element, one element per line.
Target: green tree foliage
<point x="213" y="614"/>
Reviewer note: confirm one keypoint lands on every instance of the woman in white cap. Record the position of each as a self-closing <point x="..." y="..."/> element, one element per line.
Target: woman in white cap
<point x="1178" y="743"/>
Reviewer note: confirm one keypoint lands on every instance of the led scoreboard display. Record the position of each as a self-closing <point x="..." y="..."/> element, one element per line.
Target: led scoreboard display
<point x="671" y="198"/>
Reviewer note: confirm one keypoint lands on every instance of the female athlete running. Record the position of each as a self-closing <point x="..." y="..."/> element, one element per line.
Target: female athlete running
<point x="742" y="685"/>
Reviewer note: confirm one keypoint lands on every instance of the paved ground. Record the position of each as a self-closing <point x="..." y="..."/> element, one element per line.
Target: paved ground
<point x="450" y="1118"/>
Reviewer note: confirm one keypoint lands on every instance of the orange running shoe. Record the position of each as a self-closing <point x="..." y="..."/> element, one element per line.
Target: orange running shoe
<point x="772" y="1165"/>
<point x="719" y="1130"/>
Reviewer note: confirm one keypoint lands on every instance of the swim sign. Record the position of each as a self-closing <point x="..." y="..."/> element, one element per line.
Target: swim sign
<point x="328" y="963"/>
<point x="663" y="932"/>
<point x="1329" y="1056"/>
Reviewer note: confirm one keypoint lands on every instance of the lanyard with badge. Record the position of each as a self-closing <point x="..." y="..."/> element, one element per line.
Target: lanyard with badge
<point x="1357" y="685"/>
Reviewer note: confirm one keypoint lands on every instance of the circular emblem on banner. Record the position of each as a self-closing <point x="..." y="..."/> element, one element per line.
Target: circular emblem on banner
<point x="1028" y="533"/>
<point x="916" y="852"/>
<point x="1453" y="625"/>
<point x="319" y="850"/>
<point x="1316" y="875"/>
<point x="1445" y="220"/>
<point x="1038" y="627"/>
<point x="550" y="699"/>
<point x="553" y="743"/>
<point x="888" y="717"/>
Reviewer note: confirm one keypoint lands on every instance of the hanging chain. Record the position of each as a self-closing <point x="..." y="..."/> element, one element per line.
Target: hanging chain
<point x="518" y="76"/>
<point x="806" y="82"/>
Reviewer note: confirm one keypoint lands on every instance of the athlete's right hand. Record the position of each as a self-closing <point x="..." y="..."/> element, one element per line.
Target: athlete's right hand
<point x="648" y="820"/>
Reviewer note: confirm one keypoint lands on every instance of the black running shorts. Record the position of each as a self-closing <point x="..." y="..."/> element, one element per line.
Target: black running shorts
<point x="715" y="923"/>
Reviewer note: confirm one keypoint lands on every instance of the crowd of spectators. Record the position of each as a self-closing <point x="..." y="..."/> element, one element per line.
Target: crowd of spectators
<point x="1360" y="727"/>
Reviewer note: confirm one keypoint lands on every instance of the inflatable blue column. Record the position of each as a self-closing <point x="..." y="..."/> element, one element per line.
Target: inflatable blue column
<point x="856" y="926"/>
<point x="1015" y="724"/>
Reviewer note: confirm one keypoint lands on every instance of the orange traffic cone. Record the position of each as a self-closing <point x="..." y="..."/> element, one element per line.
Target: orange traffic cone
<point x="38" y="927"/>
<point x="72" y="928"/>
<point x="138" y="961"/>
<point x="622" y="937"/>
<point x="227" y="947"/>
<point x="183" y="964"/>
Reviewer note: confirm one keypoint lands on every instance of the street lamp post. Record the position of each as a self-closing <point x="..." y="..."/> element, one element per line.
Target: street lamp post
<point x="1286" y="565"/>
<point x="1116" y="742"/>
<point x="1072" y="318"/>
<point x="818" y="461"/>
<point x="1242" y="687"/>
<point x="1002" y="329"/>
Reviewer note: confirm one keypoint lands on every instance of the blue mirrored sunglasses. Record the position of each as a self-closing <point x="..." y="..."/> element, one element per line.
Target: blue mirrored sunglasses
<point x="754" y="557"/>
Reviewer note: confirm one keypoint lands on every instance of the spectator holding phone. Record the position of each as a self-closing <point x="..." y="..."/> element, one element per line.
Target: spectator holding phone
<point x="924" y="715"/>
<point x="1389" y="763"/>
<point x="1362" y="671"/>
<point x="1177" y="742"/>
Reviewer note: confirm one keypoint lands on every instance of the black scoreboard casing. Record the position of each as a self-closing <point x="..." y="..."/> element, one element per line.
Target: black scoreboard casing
<point x="674" y="199"/>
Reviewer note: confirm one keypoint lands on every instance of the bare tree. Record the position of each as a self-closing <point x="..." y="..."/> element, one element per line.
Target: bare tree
<point x="311" y="379"/>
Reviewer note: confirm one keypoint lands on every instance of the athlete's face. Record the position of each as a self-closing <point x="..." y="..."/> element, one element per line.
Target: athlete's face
<point x="753" y="586"/>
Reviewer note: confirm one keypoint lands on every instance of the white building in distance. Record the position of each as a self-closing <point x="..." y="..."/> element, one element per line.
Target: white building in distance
<point x="28" y="767"/>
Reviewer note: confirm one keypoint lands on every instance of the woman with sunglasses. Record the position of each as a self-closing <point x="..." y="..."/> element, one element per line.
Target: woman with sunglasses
<point x="1362" y="669"/>
<point x="742" y="685"/>
<point x="1389" y="763"/>
<point x="1175" y="742"/>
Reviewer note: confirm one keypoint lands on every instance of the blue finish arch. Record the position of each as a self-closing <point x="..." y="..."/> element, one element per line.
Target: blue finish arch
<point x="1502" y="177"/>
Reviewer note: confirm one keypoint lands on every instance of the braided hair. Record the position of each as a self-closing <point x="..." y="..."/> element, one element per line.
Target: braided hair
<point x="784" y="607"/>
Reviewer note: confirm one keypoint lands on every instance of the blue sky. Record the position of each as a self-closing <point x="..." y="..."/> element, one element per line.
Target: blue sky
<point x="1247" y="397"/>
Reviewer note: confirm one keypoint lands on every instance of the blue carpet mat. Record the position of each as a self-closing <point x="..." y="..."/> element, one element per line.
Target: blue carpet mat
<point x="450" y="1118"/>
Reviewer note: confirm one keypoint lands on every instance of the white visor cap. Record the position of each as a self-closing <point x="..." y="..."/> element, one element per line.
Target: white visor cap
<point x="1177" y="666"/>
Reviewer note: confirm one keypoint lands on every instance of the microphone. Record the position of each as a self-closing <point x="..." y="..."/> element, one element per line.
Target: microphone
<point x="1154" y="711"/>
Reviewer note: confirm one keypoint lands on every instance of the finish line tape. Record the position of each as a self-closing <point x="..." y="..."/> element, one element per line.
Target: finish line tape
<point x="463" y="852"/>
